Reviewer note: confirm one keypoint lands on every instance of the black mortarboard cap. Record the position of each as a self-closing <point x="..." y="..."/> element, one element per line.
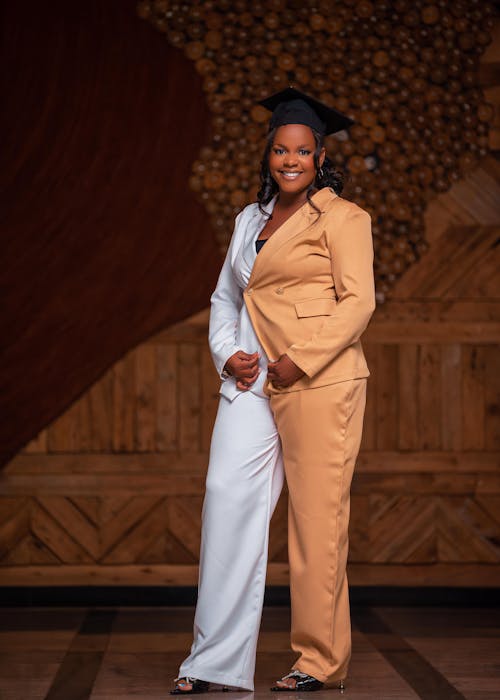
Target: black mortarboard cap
<point x="290" y="106"/>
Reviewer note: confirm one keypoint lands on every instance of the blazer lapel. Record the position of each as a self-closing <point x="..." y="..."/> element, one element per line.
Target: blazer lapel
<point x="298" y="222"/>
<point x="255" y="226"/>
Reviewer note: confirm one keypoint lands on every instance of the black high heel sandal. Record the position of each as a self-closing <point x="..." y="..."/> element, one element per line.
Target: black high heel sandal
<point x="303" y="683"/>
<point x="197" y="686"/>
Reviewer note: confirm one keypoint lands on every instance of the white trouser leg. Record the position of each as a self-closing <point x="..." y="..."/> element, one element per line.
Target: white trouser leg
<point x="244" y="481"/>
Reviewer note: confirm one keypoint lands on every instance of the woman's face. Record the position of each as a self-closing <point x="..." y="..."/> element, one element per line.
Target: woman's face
<point x="291" y="159"/>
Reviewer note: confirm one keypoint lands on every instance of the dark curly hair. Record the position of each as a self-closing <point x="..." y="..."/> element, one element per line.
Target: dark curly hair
<point x="326" y="176"/>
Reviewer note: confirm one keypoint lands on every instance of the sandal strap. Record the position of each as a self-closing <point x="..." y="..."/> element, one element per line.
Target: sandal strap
<point x="296" y="674"/>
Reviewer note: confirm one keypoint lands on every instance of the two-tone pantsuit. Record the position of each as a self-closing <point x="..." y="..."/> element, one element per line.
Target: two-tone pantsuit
<point x="309" y="293"/>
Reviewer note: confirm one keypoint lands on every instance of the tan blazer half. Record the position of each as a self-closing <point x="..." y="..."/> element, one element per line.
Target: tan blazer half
<point x="311" y="291"/>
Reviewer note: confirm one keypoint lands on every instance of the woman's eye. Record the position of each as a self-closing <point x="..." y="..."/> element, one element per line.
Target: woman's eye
<point x="301" y="151"/>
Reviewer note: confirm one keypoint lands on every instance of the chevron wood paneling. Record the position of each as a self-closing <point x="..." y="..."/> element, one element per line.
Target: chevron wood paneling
<point x="410" y="529"/>
<point x="426" y="492"/>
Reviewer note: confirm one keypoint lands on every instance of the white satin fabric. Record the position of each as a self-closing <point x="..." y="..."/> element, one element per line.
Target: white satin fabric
<point x="230" y="327"/>
<point x="244" y="481"/>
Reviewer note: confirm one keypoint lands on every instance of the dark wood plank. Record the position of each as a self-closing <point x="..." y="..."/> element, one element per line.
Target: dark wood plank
<point x="124" y="403"/>
<point x="492" y="398"/>
<point x="427" y="682"/>
<point x="166" y="397"/>
<point x="387" y="397"/>
<point x="451" y="399"/>
<point x="408" y="392"/>
<point x="473" y="388"/>
<point x="79" y="668"/>
<point x="429" y="397"/>
<point x="189" y="396"/>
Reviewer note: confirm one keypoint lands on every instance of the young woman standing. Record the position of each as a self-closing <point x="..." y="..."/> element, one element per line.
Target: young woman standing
<point x="284" y="332"/>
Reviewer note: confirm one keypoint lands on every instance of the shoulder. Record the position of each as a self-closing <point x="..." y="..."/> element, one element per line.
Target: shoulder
<point x="337" y="206"/>
<point x="248" y="211"/>
<point x="241" y="220"/>
<point x="244" y="216"/>
<point x="241" y="224"/>
<point x="345" y="220"/>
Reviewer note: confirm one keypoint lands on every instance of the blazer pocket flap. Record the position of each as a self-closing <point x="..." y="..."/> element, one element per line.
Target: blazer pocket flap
<point x="315" y="307"/>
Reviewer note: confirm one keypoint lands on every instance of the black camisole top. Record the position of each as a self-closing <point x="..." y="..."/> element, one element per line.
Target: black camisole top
<point x="259" y="244"/>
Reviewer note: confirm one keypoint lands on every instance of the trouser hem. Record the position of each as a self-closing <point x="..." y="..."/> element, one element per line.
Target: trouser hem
<point x="321" y="676"/>
<point x="205" y="674"/>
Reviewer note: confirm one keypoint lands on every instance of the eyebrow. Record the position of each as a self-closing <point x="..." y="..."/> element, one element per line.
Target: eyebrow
<point x="302" y="145"/>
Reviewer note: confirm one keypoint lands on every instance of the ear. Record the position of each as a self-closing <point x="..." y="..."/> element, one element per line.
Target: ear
<point x="322" y="156"/>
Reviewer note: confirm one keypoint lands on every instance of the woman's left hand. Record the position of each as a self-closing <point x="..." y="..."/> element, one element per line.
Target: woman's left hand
<point x="284" y="372"/>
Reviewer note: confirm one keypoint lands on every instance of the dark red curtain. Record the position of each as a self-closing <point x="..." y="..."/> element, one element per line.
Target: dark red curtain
<point x="102" y="242"/>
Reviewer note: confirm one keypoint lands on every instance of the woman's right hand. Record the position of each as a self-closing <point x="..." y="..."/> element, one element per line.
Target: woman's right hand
<point x="244" y="367"/>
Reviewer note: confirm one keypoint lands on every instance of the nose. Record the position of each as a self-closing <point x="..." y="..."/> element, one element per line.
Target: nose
<point x="290" y="160"/>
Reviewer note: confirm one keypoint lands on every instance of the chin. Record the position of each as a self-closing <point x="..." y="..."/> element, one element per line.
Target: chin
<point x="291" y="186"/>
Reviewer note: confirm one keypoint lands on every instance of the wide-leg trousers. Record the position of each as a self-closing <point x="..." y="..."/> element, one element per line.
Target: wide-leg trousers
<point x="244" y="481"/>
<point x="320" y="432"/>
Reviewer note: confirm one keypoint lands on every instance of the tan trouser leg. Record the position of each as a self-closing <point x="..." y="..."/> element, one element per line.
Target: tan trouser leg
<point x="320" y="431"/>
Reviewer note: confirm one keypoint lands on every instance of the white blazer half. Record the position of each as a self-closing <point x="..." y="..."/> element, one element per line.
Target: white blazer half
<point x="230" y="327"/>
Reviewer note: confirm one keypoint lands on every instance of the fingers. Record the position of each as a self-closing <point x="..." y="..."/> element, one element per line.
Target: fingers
<point x="245" y="369"/>
<point x="248" y="368"/>
<point x="251" y="369"/>
<point x="273" y="373"/>
<point x="242" y="386"/>
<point x="280" y="384"/>
<point x="275" y="377"/>
<point x="246" y="377"/>
<point x="251" y="373"/>
<point x="247" y="357"/>
<point x="274" y="366"/>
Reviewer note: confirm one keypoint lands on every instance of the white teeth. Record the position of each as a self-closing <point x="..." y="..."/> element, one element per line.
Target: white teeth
<point x="290" y="175"/>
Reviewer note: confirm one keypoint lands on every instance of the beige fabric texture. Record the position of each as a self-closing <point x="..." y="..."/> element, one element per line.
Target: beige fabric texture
<point x="311" y="291"/>
<point x="320" y="433"/>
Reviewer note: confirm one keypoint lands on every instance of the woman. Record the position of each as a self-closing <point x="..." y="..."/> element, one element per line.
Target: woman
<point x="284" y="332"/>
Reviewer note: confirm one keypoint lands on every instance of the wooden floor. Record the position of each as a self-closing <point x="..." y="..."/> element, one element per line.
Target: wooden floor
<point x="107" y="653"/>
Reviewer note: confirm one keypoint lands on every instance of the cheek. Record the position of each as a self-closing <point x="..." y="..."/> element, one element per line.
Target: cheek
<point x="274" y="161"/>
<point x="308" y="163"/>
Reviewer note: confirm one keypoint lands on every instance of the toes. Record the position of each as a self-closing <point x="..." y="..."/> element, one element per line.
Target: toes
<point x="185" y="686"/>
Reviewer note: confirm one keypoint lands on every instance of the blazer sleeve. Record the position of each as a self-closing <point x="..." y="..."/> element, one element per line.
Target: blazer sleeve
<point x="351" y="249"/>
<point x="225" y="306"/>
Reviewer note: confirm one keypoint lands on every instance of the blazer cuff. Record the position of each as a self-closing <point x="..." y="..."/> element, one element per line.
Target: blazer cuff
<point x="222" y="358"/>
<point x="296" y="359"/>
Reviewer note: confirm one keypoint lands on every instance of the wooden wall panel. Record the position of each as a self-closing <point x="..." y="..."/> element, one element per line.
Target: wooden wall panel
<point x="408" y="383"/>
<point x="123" y="487"/>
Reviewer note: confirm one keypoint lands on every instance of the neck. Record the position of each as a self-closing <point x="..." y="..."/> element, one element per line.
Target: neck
<point x="291" y="199"/>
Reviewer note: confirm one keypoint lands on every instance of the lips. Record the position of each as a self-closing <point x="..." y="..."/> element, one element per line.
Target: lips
<point x="290" y="174"/>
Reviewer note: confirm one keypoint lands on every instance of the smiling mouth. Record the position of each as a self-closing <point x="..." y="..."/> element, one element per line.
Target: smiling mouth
<point x="290" y="174"/>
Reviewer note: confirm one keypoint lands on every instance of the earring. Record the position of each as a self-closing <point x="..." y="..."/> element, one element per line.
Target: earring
<point x="320" y="172"/>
